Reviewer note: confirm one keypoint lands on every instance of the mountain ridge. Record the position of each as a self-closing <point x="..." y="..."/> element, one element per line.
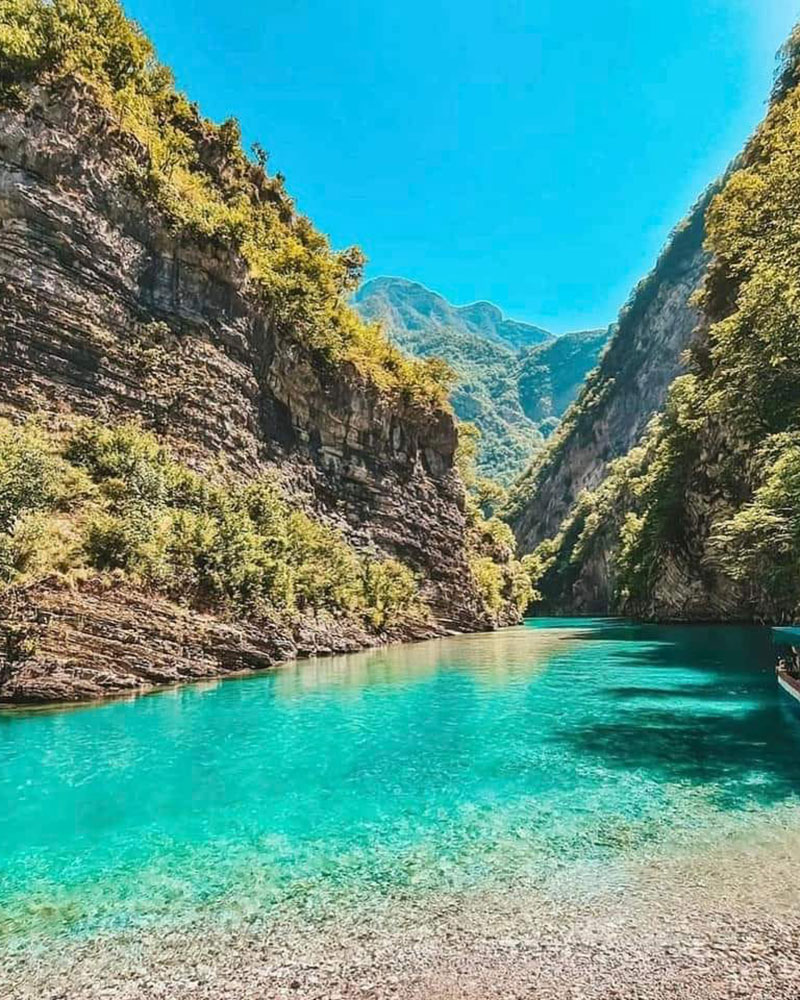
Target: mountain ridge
<point x="514" y="379"/>
<point x="484" y="317"/>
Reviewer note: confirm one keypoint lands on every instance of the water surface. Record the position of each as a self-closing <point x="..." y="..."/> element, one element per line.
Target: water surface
<point x="534" y="755"/>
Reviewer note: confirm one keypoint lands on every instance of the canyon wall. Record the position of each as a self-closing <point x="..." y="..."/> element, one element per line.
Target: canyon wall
<point x="622" y="394"/>
<point x="698" y="521"/>
<point x="107" y="312"/>
<point x="104" y="312"/>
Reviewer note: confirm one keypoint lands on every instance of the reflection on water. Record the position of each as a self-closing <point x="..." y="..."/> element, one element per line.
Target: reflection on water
<point x="490" y="657"/>
<point x="533" y="755"/>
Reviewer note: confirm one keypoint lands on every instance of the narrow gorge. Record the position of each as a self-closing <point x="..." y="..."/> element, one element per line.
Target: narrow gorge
<point x="355" y="643"/>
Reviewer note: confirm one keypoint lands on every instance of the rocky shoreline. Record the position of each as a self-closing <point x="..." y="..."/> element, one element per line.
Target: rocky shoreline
<point x="720" y="926"/>
<point x="100" y="640"/>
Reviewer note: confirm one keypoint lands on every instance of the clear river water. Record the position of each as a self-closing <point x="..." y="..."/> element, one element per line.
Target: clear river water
<point x="533" y="755"/>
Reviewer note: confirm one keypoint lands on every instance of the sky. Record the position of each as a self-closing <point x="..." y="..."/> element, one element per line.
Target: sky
<point x="535" y="153"/>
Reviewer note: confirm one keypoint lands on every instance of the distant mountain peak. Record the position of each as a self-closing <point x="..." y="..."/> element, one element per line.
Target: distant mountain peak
<point x="514" y="379"/>
<point x="482" y="318"/>
<point x="482" y="310"/>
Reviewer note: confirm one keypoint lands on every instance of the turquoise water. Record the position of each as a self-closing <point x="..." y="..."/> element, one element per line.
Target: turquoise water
<point x="493" y="760"/>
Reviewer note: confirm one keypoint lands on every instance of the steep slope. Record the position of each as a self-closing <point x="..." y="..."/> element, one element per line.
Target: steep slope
<point x="551" y="376"/>
<point x="512" y="391"/>
<point x="149" y="272"/>
<point x="702" y="520"/>
<point x="618" y="400"/>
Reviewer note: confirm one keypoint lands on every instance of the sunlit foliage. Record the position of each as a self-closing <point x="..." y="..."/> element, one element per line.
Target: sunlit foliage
<point x="199" y="176"/>
<point x="111" y="500"/>
<point x="502" y="580"/>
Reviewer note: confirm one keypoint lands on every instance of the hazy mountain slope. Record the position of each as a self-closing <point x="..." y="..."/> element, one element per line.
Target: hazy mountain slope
<point x="551" y="375"/>
<point x="411" y="307"/>
<point x="514" y="379"/>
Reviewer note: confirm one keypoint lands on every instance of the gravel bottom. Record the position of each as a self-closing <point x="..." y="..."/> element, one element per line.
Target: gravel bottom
<point x="721" y="927"/>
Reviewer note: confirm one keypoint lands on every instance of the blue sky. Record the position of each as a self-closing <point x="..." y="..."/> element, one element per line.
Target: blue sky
<point x="532" y="153"/>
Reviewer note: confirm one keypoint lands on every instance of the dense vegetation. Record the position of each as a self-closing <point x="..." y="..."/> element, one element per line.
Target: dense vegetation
<point x="550" y="376"/>
<point x="513" y="380"/>
<point x="503" y="581"/>
<point x="714" y="489"/>
<point x="203" y="182"/>
<point x="112" y="503"/>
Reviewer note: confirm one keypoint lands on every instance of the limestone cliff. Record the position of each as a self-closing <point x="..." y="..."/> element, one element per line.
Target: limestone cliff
<point x="701" y="520"/>
<point x="106" y="311"/>
<point x="620" y="397"/>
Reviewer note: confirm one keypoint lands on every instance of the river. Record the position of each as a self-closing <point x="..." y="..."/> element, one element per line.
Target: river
<point x="554" y="759"/>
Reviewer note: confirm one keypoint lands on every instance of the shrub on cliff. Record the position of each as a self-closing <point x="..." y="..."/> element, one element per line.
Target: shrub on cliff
<point x="199" y="176"/>
<point x="759" y="546"/>
<point x="242" y="546"/>
<point x="29" y="478"/>
<point x="113" y="500"/>
<point x="715" y="489"/>
<point x="388" y="585"/>
<point x="28" y="474"/>
<point x="502" y="581"/>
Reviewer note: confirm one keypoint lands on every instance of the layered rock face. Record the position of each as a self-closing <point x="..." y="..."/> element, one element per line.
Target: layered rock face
<point x="96" y="640"/>
<point x="618" y="401"/>
<point x="104" y="312"/>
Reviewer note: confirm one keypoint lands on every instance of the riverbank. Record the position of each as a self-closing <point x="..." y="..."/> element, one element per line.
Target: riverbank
<point x="718" y="926"/>
<point x="95" y="641"/>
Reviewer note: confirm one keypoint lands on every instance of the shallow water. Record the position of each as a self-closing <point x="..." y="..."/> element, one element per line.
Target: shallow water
<point x="532" y="756"/>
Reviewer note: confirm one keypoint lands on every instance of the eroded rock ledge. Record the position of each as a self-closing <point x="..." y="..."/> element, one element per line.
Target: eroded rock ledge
<point x="100" y="640"/>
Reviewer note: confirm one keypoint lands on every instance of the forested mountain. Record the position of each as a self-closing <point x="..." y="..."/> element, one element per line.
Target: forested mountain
<point x="415" y="312"/>
<point x="514" y="380"/>
<point x="209" y="461"/>
<point x="551" y="375"/>
<point x="702" y="518"/>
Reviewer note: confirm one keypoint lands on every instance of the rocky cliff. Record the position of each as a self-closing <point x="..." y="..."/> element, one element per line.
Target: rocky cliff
<point x="104" y="312"/>
<point x="618" y="400"/>
<point x="107" y="311"/>
<point x="701" y="520"/>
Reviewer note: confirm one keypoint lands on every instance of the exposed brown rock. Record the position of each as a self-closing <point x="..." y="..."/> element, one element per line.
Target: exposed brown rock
<point x="106" y="312"/>
<point x="104" y="638"/>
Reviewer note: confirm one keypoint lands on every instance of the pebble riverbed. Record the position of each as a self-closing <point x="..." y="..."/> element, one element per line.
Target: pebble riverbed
<point x="722" y="926"/>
